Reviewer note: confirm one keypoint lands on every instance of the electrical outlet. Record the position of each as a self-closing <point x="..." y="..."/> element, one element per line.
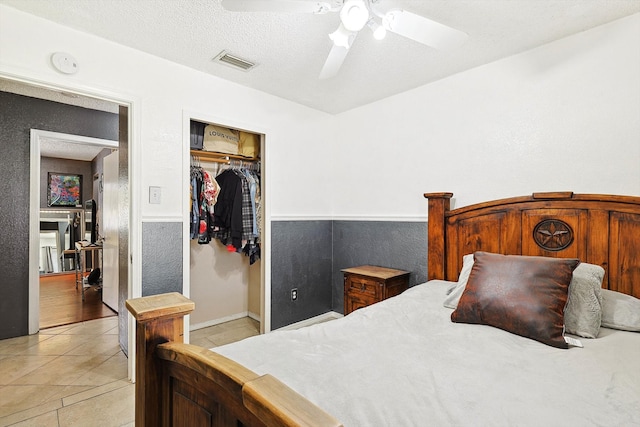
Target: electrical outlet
<point x="294" y="294"/>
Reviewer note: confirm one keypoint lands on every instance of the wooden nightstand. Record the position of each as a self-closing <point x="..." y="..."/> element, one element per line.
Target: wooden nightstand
<point x="367" y="284"/>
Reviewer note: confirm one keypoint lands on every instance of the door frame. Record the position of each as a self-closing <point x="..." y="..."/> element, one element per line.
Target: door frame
<point x="132" y="103"/>
<point x="265" y="245"/>
<point x="37" y="137"/>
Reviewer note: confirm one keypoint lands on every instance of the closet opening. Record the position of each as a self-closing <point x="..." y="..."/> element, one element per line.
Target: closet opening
<point x="226" y="233"/>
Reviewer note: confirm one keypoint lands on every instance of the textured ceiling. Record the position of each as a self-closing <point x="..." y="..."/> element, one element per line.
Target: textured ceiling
<point x="68" y="150"/>
<point x="291" y="48"/>
<point x="12" y="86"/>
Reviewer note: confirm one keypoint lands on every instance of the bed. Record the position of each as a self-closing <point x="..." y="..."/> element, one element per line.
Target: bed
<point x="460" y="349"/>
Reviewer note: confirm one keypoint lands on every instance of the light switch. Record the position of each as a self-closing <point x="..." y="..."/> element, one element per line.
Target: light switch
<point x="154" y="195"/>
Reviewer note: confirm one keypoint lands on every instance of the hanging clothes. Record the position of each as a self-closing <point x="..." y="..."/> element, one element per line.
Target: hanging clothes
<point x="196" y="186"/>
<point x="227" y="208"/>
<point x="227" y="214"/>
<point x="204" y="193"/>
<point x="250" y="222"/>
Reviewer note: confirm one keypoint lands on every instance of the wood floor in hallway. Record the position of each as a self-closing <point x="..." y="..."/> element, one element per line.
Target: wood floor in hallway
<point x="61" y="303"/>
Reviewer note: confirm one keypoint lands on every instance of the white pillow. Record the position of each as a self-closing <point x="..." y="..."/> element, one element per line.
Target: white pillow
<point x="620" y="311"/>
<point x="455" y="292"/>
<point x="583" y="312"/>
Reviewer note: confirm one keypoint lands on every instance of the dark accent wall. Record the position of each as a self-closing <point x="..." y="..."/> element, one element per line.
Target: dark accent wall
<point x="18" y="115"/>
<point x="401" y="245"/>
<point x="123" y="225"/>
<point x="161" y="257"/>
<point x="300" y="258"/>
<point x="308" y="255"/>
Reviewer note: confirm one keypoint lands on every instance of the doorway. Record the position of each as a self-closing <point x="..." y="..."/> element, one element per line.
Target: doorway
<point x="66" y="296"/>
<point x="260" y="275"/>
<point x="129" y="243"/>
<point x="83" y="108"/>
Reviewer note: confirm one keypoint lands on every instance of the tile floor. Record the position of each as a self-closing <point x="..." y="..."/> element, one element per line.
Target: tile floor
<point x="225" y="333"/>
<point x="76" y="375"/>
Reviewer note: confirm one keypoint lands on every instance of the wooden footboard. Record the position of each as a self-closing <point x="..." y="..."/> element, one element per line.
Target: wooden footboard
<point x="180" y="384"/>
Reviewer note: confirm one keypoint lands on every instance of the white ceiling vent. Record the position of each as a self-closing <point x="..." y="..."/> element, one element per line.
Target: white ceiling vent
<point x="234" y="61"/>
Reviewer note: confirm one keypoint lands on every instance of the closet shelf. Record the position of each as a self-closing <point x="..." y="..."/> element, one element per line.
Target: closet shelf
<point x="212" y="156"/>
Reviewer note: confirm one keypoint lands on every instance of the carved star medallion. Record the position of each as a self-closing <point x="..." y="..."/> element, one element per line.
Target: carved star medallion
<point x="553" y="234"/>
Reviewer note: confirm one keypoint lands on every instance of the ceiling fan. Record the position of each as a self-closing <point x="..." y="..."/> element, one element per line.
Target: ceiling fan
<point x="354" y="16"/>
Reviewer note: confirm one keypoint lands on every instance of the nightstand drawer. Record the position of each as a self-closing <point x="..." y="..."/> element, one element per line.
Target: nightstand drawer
<point x="363" y="286"/>
<point x="355" y="301"/>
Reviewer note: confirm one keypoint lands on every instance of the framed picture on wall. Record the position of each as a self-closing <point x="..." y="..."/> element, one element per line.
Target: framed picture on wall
<point x="64" y="190"/>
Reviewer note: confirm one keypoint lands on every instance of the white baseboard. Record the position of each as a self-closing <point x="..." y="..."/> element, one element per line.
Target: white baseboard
<point x="225" y="319"/>
<point x="331" y="315"/>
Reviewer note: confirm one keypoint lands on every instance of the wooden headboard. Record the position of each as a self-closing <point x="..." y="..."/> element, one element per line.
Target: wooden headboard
<point x="595" y="228"/>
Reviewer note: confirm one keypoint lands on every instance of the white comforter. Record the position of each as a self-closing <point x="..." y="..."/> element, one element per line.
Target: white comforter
<point x="402" y="362"/>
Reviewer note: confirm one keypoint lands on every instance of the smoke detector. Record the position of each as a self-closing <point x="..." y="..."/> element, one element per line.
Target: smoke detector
<point x="64" y="63"/>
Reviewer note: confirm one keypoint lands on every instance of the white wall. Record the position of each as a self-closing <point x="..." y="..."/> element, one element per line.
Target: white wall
<point x="162" y="93"/>
<point x="564" y="116"/>
<point x="163" y="90"/>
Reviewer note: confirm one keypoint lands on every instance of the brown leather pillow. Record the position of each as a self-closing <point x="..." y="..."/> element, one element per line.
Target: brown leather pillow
<point x="524" y="295"/>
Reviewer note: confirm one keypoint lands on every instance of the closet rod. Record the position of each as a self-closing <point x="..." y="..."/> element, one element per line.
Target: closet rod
<point x="213" y="156"/>
<point x="197" y="159"/>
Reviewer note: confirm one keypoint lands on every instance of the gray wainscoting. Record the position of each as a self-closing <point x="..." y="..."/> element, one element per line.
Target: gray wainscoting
<point x="161" y="257"/>
<point x="393" y="244"/>
<point x="300" y="258"/>
<point x="308" y="255"/>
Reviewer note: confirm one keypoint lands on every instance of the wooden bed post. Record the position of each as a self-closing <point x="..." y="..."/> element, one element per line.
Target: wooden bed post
<point x="159" y="319"/>
<point x="439" y="204"/>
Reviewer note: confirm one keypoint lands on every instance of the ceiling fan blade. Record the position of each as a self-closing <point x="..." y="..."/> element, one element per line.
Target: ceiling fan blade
<point x="293" y="6"/>
<point x="334" y="62"/>
<point x="423" y="30"/>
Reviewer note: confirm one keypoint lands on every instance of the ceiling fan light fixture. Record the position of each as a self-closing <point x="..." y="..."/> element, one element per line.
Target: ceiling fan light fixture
<point x="342" y="37"/>
<point x="379" y="32"/>
<point x="354" y="15"/>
